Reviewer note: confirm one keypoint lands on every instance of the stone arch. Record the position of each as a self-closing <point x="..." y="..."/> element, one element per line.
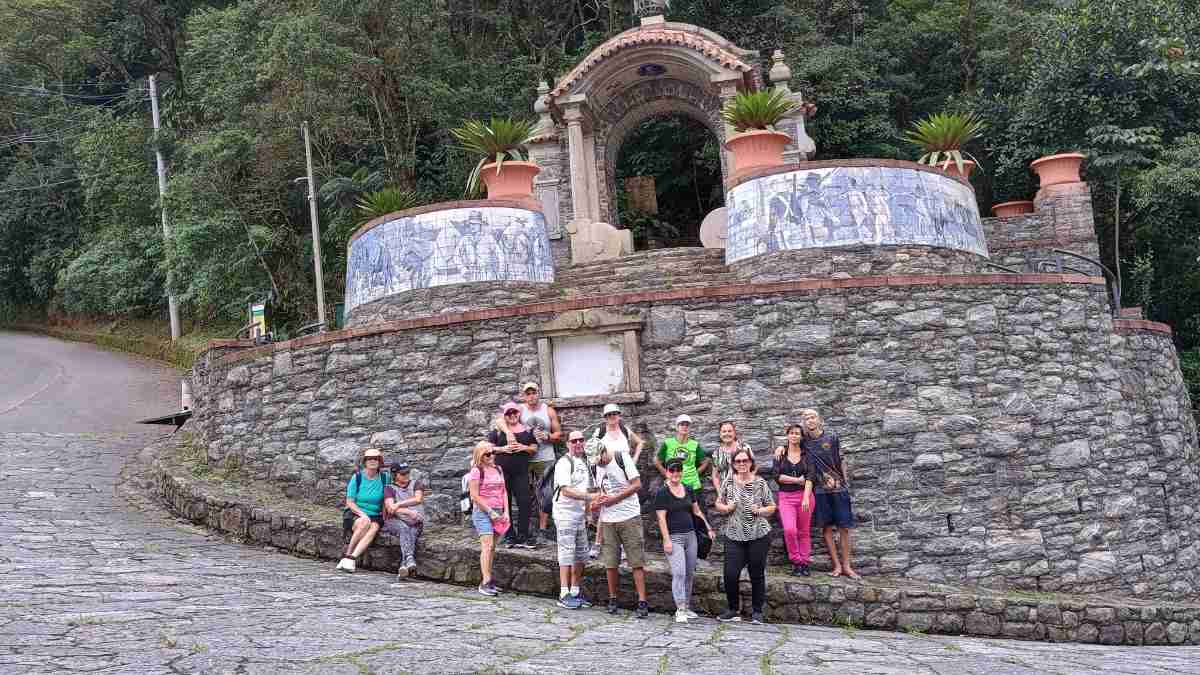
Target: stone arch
<point x="637" y="104"/>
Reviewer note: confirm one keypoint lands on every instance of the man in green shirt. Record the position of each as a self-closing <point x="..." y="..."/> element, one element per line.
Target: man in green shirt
<point x="685" y="448"/>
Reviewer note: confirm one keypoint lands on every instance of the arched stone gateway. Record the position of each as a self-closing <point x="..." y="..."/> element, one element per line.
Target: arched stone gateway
<point x="658" y="68"/>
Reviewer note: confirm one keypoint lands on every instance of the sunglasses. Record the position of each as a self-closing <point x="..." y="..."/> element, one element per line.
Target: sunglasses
<point x="488" y="454"/>
<point x="674" y="469"/>
<point x="741" y="461"/>
<point x="575" y="440"/>
<point x="510" y="413"/>
<point x="372" y="459"/>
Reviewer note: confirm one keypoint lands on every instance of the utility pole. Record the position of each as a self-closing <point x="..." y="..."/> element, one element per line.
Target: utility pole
<point x="172" y="306"/>
<point x="316" y="229"/>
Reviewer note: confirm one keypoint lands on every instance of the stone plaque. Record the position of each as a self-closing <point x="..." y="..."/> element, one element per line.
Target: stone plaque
<point x="642" y="194"/>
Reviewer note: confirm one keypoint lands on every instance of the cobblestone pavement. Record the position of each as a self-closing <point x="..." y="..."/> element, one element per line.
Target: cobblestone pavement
<point x="90" y="582"/>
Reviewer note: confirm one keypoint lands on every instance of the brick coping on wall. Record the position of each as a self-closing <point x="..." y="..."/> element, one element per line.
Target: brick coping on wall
<point x="731" y="290"/>
<point x="840" y="164"/>
<point x="1142" y="324"/>
<point x="448" y="553"/>
<point x="527" y="204"/>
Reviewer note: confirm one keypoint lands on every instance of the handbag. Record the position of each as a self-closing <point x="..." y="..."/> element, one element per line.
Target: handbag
<point x="704" y="542"/>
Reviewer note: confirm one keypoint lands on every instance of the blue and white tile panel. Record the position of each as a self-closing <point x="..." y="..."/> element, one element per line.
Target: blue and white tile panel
<point x="448" y="247"/>
<point x="843" y="206"/>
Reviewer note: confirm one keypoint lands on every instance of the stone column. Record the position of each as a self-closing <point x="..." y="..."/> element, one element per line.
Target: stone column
<point x="581" y="199"/>
<point x="727" y="88"/>
<point x="801" y="147"/>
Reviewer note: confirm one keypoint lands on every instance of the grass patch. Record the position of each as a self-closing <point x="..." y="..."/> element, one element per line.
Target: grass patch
<point x="168" y="641"/>
<point x="199" y="648"/>
<point x="85" y="620"/>
<point x="663" y="662"/>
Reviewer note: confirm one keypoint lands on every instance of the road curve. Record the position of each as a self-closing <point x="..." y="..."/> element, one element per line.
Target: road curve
<point x="90" y="583"/>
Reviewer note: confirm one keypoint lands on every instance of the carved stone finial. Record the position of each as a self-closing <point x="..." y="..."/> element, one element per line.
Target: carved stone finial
<point x="780" y="72"/>
<point x="540" y="106"/>
<point x="648" y="8"/>
<point x="545" y="125"/>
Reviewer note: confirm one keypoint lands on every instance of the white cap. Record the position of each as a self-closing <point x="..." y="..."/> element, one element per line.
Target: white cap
<point x="681" y="419"/>
<point x="612" y="408"/>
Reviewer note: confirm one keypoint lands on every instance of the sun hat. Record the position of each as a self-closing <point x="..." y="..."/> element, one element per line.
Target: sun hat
<point x="612" y="408"/>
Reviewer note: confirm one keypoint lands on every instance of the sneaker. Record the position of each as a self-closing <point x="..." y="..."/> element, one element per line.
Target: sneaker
<point x="681" y="616"/>
<point x="612" y="606"/>
<point x="402" y="573"/>
<point x="643" y="610"/>
<point x="758" y="618"/>
<point x="496" y="590"/>
<point x="512" y="542"/>
<point x="594" y="552"/>
<point x="531" y="541"/>
<point x="804" y="570"/>
<point x="569" y="602"/>
<point x="341" y="566"/>
<point x="797" y="571"/>
<point x="411" y="565"/>
<point x="485" y="589"/>
<point x="691" y="614"/>
<point x="729" y="615"/>
<point x="584" y="601"/>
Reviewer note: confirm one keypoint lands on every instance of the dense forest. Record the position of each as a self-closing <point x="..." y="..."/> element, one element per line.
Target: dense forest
<point x="381" y="82"/>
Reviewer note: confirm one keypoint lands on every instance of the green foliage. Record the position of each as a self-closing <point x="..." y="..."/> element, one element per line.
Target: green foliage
<point x="495" y="141"/>
<point x="757" y="109"/>
<point x="942" y="136"/>
<point x="382" y="202"/>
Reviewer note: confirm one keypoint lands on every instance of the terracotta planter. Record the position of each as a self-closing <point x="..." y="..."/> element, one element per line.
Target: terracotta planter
<point x="1010" y="209"/>
<point x="757" y="149"/>
<point x="1056" y="169"/>
<point x="513" y="181"/>
<point x="952" y="169"/>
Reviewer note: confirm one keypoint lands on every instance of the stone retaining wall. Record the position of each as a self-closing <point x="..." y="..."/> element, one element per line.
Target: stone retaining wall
<point x="447" y="553"/>
<point x="999" y="430"/>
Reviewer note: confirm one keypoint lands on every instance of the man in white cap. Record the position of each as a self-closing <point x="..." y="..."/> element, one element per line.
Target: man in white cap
<point x="620" y="530"/>
<point x="682" y="446"/>
<point x="543" y="419"/>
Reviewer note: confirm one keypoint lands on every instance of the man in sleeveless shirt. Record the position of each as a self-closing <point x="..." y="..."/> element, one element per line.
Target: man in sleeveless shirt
<point x="543" y="419"/>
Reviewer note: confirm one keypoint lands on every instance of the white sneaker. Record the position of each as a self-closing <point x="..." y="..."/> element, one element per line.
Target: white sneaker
<point x="691" y="614"/>
<point x="681" y="616"/>
<point x="345" y="565"/>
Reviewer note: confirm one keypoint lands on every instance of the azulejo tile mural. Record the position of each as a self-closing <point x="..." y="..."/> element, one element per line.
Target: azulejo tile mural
<point x="448" y="247"/>
<point x="842" y="206"/>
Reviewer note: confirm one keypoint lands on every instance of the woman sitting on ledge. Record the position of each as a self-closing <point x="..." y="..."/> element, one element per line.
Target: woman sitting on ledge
<point x="364" y="507"/>
<point x="404" y="515"/>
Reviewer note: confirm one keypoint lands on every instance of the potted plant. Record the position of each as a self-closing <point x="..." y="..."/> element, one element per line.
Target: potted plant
<point x="941" y="137"/>
<point x="1055" y="169"/>
<point x="502" y="166"/>
<point x="1012" y="209"/>
<point x="753" y="114"/>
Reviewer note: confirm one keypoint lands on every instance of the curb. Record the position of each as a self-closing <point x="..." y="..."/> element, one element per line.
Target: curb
<point x="448" y="553"/>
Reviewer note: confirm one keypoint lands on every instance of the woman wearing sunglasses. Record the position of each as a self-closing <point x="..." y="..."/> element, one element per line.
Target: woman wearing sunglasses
<point x="747" y="500"/>
<point x="364" y="507"/>
<point x="514" y="445"/>
<point x="490" y="512"/>
<point x="677" y="507"/>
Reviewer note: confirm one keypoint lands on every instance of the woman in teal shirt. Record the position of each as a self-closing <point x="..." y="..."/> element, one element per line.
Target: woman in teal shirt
<point x="364" y="499"/>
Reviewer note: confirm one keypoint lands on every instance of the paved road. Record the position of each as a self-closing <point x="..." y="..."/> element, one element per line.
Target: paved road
<point x="90" y="583"/>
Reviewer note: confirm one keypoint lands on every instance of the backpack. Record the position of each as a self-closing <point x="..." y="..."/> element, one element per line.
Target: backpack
<point x="547" y="482"/>
<point x="598" y="434"/>
<point x="464" y="502"/>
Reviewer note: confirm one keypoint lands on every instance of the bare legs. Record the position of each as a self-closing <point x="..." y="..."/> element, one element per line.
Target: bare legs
<point x="639" y="582"/>
<point x="487" y="553"/>
<point x="363" y="534"/>
<point x="841" y="559"/>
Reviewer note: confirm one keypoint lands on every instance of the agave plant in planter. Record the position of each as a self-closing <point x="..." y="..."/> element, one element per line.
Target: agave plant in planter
<point x="382" y="202"/>
<point x="754" y="114"/>
<point x="500" y="144"/>
<point x="941" y="137"/>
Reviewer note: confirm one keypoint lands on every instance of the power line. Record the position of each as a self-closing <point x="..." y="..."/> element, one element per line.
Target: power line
<point x="46" y="185"/>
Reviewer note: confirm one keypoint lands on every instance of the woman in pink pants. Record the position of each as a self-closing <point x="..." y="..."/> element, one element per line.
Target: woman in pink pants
<point x="795" y="501"/>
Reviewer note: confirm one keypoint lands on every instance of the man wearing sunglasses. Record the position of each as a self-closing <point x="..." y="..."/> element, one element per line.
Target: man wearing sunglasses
<point x="571" y="496"/>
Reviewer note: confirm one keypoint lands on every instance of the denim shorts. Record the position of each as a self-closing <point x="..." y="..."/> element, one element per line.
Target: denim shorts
<point x="481" y="521"/>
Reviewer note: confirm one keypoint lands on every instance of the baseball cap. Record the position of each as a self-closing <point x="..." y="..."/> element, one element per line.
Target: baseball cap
<point x="674" y="463"/>
<point x="612" y="408"/>
<point x="529" y="385"/>
<point x="510" y="406"/>
<point x="400" y="467"/>
<point x="681" y="419"/>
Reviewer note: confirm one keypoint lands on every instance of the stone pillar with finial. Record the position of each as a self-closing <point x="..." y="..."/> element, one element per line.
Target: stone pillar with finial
<point x="802" y="147"/>
<point x="651" y="11"/>
<point x="545" y="150"/>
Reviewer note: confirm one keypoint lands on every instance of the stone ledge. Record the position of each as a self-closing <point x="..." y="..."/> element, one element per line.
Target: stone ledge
<point x="448" y="553"/>
<point x="1141" y="324"/>
<point x="731" y="290"/>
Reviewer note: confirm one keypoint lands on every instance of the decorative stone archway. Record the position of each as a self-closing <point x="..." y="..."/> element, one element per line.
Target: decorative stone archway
<point x="657" y="68"/>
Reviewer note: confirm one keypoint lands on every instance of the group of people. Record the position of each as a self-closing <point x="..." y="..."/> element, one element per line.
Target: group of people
<point x="597" y="481"/>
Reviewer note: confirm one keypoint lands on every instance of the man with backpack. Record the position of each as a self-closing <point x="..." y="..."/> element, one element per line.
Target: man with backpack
<point x="613" y="435"/>
<point x="571" y="497"/>
<point x="620" y="509"/>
